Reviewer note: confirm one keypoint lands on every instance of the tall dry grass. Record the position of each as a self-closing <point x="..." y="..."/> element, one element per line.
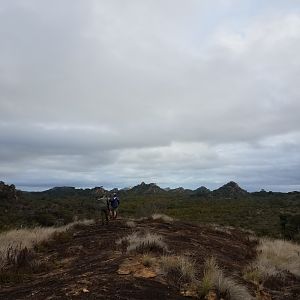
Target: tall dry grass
<point x="130" y="224"/>
<point x="15" y="241"/>
<point x="274" y="257"/>
<point x="143" y="242"/>
<point x="225" y="287"/>
<point x="178" y="269"/>
<point x="162" y="217"/>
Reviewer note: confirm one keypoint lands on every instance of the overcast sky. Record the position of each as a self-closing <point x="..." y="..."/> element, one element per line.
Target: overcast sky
<point x="176" y="92"/>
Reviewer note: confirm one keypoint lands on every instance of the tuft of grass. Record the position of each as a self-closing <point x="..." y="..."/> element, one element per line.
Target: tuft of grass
<point x="225" y="287"/>
<point x="178" y="269"/>
<point x="162" y="217"/>
<point x="143" y="243"/>
<point x="210" y="273"/>
<point x="229" y="289"/>
<point x="274" y="257"/>
<point x="204" y="287"/>
<point x="130" y="224"/>
<point x="18" y="256"/>
<point x="147" y="260"/>
<point x="253" y="274"/>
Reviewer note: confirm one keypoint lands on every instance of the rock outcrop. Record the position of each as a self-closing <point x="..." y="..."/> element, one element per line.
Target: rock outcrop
<point x="8" y="192"/>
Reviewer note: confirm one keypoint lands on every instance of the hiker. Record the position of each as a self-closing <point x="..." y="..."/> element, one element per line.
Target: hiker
<point x="103" y="205"/>
<point x="114" y="204"/>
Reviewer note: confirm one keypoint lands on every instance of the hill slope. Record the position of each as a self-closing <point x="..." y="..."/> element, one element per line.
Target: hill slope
<point x="230" y="189"/>
<point x="90" y="265"/>
<point x="145" y="188"/>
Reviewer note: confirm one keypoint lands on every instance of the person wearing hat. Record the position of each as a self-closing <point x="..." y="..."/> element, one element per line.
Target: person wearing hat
<point x="103" y="205"/>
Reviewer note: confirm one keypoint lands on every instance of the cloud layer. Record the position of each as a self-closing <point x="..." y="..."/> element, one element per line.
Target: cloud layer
<point x="178" y="93"/>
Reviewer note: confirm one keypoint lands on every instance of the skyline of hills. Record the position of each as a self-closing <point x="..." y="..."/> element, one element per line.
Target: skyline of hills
<point x="228" y="189"/>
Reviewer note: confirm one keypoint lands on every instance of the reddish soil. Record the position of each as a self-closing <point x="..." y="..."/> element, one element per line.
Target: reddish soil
<point x="85" y="266"/>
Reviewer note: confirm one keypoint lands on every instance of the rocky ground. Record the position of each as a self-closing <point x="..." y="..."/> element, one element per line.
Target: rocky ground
<point x="90" y="265"/>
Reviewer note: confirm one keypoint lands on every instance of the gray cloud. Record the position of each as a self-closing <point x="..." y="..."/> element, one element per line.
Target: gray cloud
<point x="179" y="94"/>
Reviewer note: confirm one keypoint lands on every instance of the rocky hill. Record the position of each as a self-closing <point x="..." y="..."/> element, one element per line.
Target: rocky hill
<point x="8" y="192"/>
<point x="145" y="188"/>
<point x="230" y="189"/>
<point x="148" y="259"/>
<point x="201" y="191"/>
<point x="11" y="205"/>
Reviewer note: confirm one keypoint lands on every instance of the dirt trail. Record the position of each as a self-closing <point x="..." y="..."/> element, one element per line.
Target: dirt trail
<point x="85" y="267"/>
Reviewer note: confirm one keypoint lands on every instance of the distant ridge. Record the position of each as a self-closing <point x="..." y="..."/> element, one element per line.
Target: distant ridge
<point x="62" y="188"/>
<point x="229" y="189"/>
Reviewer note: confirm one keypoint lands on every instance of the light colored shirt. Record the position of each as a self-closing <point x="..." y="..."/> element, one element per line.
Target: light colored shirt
<point x="102" y="202"/>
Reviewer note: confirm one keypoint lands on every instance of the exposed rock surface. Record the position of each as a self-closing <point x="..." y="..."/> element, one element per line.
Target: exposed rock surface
<point x="97" y="269"/>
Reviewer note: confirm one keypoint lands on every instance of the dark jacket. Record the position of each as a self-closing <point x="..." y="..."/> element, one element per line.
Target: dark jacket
<point x="114" y="202"/>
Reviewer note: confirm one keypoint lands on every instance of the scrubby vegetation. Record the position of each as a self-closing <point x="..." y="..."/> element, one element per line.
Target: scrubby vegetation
<point x="266" y="213"/>
<point x="46" y="209"/>
<point x="257" y="212"/>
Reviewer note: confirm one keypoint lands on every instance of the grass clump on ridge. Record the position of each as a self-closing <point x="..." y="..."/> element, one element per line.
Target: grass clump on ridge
<point x="274" y="257"/>
<point x="178" y="269"/>
<point x="225" y="287"/>
<point x="143" y="243"/>
<point x="130" y="224"/>
<point x="162" y="217"/>
<point x="147" y="260"/>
